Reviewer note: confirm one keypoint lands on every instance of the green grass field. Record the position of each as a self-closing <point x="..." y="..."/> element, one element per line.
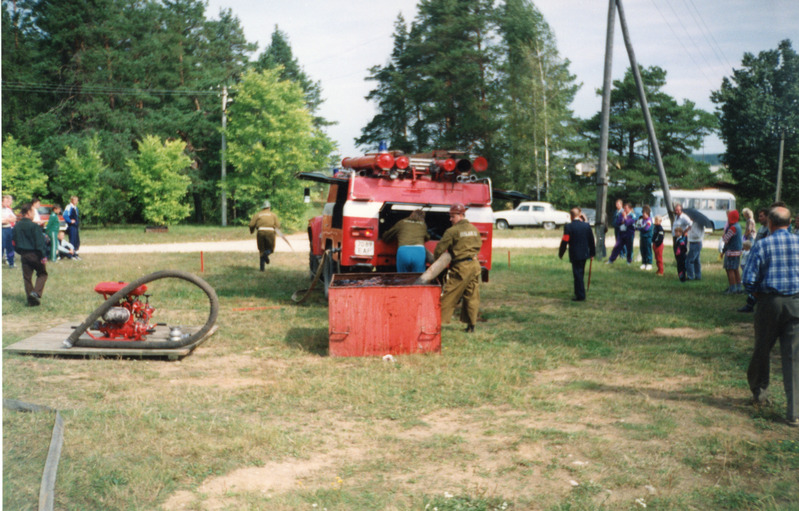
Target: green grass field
<point x="637" y="396"/>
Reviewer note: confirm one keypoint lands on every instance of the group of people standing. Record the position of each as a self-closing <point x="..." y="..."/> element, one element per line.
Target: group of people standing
<point x="770" y="276"/>
<point x="37" y="241"/>
<point x="687" y="234"/>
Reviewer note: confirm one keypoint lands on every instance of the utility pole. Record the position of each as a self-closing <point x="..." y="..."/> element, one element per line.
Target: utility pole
<point x="650" y="127"/>
<point x="779" y="165"/>
<point x="602" y="173"/>
<point x="601" y="178"/>
<point x="222" y="155"/>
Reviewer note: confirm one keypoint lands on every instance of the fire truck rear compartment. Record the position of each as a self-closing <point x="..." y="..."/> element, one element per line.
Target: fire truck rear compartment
<point x="436" y="217"/>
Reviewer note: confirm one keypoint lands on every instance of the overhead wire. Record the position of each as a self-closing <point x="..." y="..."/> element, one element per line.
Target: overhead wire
<point x="705" y="32"/>
<point x="679" y="40"/>
<point x="57" y="88"/>
<point x="695" y="46"/>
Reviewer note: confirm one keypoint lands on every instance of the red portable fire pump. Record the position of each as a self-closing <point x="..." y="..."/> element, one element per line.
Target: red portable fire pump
<point x="123" y="316"/>
<point x="129" y="319"/>
<point x="373" y="192"/>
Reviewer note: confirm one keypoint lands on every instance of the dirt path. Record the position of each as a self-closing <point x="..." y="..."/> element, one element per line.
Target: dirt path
<point x="299" y="242"/>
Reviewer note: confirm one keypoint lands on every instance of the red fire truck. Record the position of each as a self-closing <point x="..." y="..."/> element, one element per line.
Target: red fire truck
<point x="373" y="192"/>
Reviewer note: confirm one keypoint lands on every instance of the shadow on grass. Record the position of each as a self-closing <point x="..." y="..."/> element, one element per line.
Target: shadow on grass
<point x="311" y="340"/>
<point x="728" y="404"/>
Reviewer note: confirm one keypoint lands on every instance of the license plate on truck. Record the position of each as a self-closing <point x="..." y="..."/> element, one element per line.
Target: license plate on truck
<point x="364" y="247"/>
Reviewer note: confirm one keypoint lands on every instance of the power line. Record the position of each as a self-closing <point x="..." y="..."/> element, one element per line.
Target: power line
<point x="688" y="34"/>
<point x="98" y="89"/>
<point x="706" y="31"/>
<point x="679" y="40"/>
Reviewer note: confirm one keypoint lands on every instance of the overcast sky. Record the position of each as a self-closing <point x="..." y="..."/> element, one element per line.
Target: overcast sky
<point x="698" y="42"/>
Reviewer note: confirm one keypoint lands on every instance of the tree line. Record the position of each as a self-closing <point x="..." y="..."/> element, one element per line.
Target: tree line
<point x="120" y="103"/>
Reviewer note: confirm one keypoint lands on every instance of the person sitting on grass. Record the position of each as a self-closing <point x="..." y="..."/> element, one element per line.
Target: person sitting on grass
<point x="65" y="249"/>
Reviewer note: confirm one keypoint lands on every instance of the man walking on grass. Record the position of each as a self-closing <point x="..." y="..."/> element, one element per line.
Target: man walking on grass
<point x="772" y="275"/>
<point x="577" y="235"/>
<point x="29" y="244"/>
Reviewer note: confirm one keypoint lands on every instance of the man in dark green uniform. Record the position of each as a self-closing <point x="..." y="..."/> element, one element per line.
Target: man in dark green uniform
<point x="267" y="225"/>
<point x="410" y="233"/>
<point x="463" y="242"/>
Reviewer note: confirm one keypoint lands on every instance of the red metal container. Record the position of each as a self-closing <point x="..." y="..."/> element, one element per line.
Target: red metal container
<point x="377" y="314"/>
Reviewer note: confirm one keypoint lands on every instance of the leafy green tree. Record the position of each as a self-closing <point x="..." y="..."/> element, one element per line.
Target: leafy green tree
<point x="537" y="91"/>
<point x="680" y="129"/>
<point x="79" y="173"/>
<point x="160" y="180"/>
<point x="757" y="106"/>
<point x="23" y="176"/>
<point x="121" y="70"/>
<point x="271" y="137"/>
<point x="22" y="64"/>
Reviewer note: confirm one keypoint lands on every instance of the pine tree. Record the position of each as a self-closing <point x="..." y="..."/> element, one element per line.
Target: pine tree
<point x="680" y="129"/>
<point x="279" y="53"/>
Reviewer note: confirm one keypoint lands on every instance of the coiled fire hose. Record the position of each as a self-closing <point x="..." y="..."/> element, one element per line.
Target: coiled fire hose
<point x="73" y="339"/>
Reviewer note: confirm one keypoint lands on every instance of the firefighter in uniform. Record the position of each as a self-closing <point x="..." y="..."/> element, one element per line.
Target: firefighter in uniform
<point x="267" y="224"/>
<point x="463" y="242"/>
<point x="410" y="233"/>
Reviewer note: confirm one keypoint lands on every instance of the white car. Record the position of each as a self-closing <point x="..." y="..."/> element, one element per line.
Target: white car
<point x="531" y="214"/>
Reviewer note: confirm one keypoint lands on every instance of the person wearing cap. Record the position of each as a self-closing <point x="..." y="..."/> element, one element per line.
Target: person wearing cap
<point x="411" y="234"/>
<point x="579" y="239"/>
<point x="463" y="242"/>
<point x="266" y="224"/>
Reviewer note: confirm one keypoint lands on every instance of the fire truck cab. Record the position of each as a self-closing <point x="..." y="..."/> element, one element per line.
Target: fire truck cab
<point x="374" y="192"/>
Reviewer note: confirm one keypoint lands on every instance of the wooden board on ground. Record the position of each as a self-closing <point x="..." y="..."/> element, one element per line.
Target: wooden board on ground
<point x="50" y="341"/>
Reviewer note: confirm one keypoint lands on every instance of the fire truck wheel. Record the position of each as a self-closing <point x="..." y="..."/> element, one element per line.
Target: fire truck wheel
<point x="73" y="339"/>
<point x="502" y="224"/>
<point x="329" y="269"/>
<point x="313" y="261"/>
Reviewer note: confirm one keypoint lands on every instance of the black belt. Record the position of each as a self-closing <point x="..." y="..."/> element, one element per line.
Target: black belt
<point x="456" y="261"/>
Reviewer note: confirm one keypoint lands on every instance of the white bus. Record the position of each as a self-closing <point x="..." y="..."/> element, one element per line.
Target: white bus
<point x="713" y="203"/>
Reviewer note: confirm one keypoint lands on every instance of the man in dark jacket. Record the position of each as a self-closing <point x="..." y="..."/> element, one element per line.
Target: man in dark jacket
<point x="577" y="235"/>
<point x="29" y="244"/>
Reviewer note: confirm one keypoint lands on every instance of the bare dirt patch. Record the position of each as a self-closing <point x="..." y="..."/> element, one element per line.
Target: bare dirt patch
<point x="686" y="333"/>
<point x="503" y="452"/>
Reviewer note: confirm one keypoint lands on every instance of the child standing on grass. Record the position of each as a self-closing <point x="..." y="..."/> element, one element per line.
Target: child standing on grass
<point x="644" y="227"/>
<point x="658" y="234"/>
<point x="680" y="251"/>
<point x="733" y="244"/>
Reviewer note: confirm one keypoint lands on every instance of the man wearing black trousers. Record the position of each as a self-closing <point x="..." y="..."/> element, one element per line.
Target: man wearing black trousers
<point x="29" y="244"/>
<point x="577" y="235"/>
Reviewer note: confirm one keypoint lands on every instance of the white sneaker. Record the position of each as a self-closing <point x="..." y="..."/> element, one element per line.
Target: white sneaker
<point x="643" y="267"/>
<point x="648" y="267"/>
